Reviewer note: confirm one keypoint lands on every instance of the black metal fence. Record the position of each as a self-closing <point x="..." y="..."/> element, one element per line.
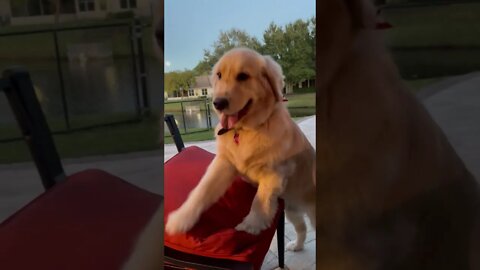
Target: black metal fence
<point x="195" y="115"/>
<point x="191" y="115"/>
<point x="84" y="76"/>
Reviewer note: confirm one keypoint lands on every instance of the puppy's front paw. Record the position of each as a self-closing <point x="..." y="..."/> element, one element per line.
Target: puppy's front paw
<point x="253" y="223"/>
<point x="294" y="246"/>
<point x="180" y="221"/>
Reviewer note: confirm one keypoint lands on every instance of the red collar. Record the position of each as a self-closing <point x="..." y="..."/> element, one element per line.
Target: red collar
<point x="236" y="137"/>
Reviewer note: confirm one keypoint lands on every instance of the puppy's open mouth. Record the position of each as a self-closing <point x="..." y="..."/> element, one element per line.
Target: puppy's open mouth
<point x="228" y="121"/>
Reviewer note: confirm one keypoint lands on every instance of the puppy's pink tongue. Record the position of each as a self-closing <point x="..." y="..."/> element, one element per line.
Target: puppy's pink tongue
<point x="228" y="121"/>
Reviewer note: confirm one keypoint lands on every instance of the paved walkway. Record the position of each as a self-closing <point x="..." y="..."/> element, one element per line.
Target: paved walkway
<point x="455" y="105"/>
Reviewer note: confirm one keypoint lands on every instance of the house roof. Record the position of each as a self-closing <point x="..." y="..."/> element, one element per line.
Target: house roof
<point x="202" y="82"/>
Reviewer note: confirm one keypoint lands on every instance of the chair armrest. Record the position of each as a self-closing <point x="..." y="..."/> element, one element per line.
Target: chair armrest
<point x="18" y="87"/>
<point x="173" y="128"/>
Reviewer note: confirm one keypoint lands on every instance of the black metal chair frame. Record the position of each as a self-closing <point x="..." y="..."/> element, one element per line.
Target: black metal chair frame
<point x="18" y="87"/>
<point x="177" y="138"/>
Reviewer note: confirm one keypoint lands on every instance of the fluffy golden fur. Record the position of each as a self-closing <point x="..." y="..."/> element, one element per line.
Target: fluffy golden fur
<point x="272" y="152"/>
<point x="392" y="192"/>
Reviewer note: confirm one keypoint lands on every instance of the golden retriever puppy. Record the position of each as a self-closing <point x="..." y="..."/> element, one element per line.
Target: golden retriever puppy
<point x="391" y="191"/>
<point x="257" y="139"/>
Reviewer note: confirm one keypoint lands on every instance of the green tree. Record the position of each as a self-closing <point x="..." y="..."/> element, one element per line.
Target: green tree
<point x="293" y="47"/>
<point x="226" y="41"/>
<point x="178" y="81"/>
<point x="312" y="28"/>
<point x="274" y="42"/>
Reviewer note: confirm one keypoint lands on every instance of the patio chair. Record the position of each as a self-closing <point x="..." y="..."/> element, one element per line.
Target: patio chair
<point x="89" y="220"/>
<point x="213" y="243"/>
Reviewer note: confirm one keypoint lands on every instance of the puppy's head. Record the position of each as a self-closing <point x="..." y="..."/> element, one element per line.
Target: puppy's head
<point x="246" y="87"/>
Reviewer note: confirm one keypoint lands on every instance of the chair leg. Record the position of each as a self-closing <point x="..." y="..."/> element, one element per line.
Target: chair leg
<point x="281" y="240"/>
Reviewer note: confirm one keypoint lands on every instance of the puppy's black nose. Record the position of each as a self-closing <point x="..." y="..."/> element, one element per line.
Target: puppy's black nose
<point x="220" y="103"/>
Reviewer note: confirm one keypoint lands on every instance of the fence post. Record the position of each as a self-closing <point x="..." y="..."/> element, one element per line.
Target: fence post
<point x="60" y="77"/>
<point x="183" y="117"/>
<point x="207" y="114"/>
<point x="134" y="67"/>
<point x="141" y="66"/>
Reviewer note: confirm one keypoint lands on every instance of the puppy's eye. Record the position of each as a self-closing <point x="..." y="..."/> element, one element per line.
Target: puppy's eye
<point x="219" y="75"/>
<point x="242" y="76"/>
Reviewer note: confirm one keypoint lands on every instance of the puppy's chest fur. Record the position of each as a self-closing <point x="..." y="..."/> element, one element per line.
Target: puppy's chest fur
<point x="256" y="152"/>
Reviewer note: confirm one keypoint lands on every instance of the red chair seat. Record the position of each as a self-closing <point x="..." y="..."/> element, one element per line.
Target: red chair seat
<point x="91" y="221"/>
<point x="214" y="235"/>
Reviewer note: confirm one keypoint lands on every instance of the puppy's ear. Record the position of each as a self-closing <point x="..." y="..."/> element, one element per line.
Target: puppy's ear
<point x="362" y="12"/>
<point x="273" y="73"/>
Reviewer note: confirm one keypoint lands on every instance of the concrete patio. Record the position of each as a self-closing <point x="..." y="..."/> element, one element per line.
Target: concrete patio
<point x="20" y="183"/>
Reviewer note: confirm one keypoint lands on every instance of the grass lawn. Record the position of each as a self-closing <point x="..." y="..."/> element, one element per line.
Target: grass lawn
<point x="301" y="104"/>
<point x="301" y="100"/>
<point x="122" y="138"/>
<point x="417" y="85"/>
<point x="453" y="25"/>
<point x="204" y="135"/>
<point x="435" y="41"/>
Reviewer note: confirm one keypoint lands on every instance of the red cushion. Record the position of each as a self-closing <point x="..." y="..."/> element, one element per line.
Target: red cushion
<point x="91" y="221"/>
<point x="214" y="235"/>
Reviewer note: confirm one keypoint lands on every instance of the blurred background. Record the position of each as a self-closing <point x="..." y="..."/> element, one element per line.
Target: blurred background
<point x="436" y="45"/>
<point x="99" y="83"/>
<point x="432" y="39"/>
<point x="94" y="71"/>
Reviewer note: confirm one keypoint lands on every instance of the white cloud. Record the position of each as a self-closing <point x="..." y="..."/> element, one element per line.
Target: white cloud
<point x="168" y="63"/>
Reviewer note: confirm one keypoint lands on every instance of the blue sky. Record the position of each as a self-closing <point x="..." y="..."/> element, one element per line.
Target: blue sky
<point x="193" y="25"/>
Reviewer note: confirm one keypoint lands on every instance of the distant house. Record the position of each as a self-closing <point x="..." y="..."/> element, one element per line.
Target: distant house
<point x="289" y="87"/>
<point x="23" y="12"/>
<point x="201" y="87"/>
